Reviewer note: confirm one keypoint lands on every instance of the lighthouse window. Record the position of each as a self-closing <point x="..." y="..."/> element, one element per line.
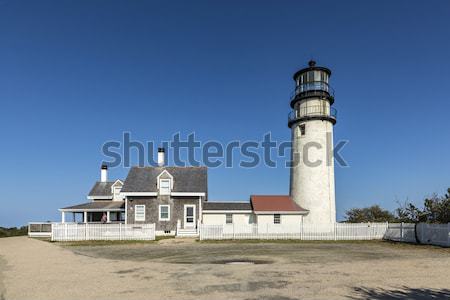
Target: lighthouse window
<point x="310" y="76"/>
<point x="302" y="129"/>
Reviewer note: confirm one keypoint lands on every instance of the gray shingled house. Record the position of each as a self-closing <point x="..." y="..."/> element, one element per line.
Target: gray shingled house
<point x="175" y="200"/>
<point x="169" y="197"/>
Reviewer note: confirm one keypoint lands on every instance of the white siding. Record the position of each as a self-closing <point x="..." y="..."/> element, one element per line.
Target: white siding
<point x="292" y="220"/>
<point x="220" y="218"/>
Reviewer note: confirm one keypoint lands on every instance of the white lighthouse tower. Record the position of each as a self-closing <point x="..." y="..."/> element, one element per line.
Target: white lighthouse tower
<point x="311" y="123"/>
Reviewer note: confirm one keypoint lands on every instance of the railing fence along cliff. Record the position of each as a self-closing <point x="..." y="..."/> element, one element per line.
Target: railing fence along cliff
<point x="433" y="234"/>
<point x="86" y="232"/>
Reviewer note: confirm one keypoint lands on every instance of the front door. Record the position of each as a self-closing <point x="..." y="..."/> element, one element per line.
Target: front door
<point x="189" y="216"/>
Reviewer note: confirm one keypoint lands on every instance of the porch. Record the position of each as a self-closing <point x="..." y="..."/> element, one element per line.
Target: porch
<point x="94" y="212"/>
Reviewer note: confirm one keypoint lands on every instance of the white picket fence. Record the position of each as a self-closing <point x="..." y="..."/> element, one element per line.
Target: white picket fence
<point x="422" y="233"/>
<point x="89" y="231"/>
<point x="337" y="231"/>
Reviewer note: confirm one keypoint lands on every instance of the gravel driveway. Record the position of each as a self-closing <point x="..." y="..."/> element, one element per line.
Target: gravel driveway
<point x="179" y="269"/>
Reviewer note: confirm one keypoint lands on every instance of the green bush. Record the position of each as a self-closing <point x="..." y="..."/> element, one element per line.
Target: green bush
<point x="13" y="231"/>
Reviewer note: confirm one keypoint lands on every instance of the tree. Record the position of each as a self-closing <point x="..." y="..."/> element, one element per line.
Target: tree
<point x="373" y="213"/>
<point x="435" y="210"/>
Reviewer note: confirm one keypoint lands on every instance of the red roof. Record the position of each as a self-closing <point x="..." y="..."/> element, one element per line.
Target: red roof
<point x="275" y="203"/>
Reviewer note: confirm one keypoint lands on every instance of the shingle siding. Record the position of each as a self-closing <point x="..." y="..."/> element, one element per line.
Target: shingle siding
<point x="152" y="210"/>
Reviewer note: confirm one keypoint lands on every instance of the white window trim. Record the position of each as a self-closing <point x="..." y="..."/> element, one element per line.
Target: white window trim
<point x="159" y="177"/>
<point x="170" y="186"/>
<point x="168" y="212"/>
<point x="135" y="213"/>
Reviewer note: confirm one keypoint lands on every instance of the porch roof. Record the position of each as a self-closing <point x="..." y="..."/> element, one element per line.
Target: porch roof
<point x="227" y="206"/>
<point x="97" y="206"/>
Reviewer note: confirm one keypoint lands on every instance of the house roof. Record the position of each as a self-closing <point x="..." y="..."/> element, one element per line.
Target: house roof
<point x="229" y="205"/>
<point x="98" y="205"/>
<point x="101" y="189"/>
<point x="275" y="203"/>
<point x="185" y="179"/>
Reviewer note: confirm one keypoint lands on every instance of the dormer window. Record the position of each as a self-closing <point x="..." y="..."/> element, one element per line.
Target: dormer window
<point x="164" y="183"/>
<point x="164" y="186"/>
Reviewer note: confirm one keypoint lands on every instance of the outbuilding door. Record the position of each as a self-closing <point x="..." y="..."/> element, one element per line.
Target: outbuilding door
<point x="189" y="216"/>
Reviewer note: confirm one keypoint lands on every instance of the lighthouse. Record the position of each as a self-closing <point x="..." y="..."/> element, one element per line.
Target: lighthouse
<point x="311" y="122"/>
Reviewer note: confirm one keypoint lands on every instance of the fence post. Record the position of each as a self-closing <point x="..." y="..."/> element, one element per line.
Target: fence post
<point x="120" y="231"/>
<point x="335" y="229"/>
<point x="422" y="231"/>
<point x="401" y="231"/>
<point x="448" y="234"/>
<point x="301" y="231"/>
<point x="234" y="236"/>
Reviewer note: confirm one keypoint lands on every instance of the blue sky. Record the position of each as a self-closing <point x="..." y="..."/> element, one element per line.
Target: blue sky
<point x="74" y="74"/>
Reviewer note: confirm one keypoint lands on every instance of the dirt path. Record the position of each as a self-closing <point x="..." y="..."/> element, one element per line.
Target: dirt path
<point x="2" y="286"/>
<point x="41" y="270"/>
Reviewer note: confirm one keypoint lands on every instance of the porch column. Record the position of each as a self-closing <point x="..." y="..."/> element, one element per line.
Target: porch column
<point x="63" y="217"/>
<point x="200" y="210"/>
<point x="85" y="217"/>
<point x="108" y="217"/>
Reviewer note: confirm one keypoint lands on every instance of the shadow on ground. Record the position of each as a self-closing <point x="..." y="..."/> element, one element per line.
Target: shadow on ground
<point x="404" y="293"/>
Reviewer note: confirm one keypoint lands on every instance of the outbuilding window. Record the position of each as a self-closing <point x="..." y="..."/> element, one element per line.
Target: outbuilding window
<point x="276" y="219"/>
<point x="139" y="213"/>
<point x="164" y="212"/>
<point x="229" y="218"/>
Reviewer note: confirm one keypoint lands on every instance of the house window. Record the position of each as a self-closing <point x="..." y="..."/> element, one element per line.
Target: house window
<point x="229" y="218"/>
<point x="139" y="213"/>
<point x="302" y="129"/>
<point x="116" y="192"/>
<point x="164" y="186"/>
<point x="276" y="219"/>
<point x="164" y="212"/>
<point x="252" y="219"/>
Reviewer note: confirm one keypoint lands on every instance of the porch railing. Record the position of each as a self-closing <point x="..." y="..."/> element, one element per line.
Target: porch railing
<point x="40" y="229"/>
<point x="91" y="231"/>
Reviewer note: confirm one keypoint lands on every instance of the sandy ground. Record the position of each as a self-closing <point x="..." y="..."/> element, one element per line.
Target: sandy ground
<point x="176" y="269"/>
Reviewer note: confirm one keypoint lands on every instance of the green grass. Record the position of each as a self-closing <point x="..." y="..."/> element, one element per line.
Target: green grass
<point x="111" y="243"/>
